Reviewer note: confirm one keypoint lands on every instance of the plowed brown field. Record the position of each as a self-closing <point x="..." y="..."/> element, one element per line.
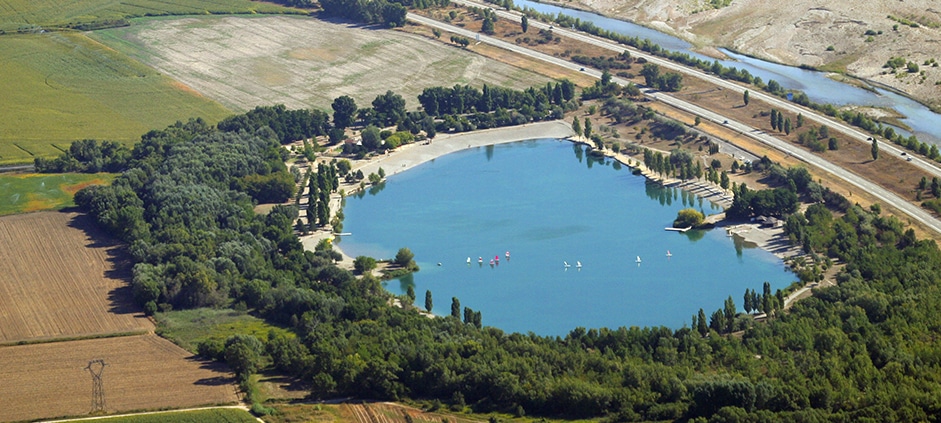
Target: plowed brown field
<point x="61" y="277"/>
<point x="142" y="372"/>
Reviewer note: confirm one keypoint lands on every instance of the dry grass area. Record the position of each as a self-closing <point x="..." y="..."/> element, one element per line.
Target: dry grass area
<point x="303" y="62"/>
<point x="58" y="279"/>
<point x="143" y="372"/>
<point x="393" y="413"/>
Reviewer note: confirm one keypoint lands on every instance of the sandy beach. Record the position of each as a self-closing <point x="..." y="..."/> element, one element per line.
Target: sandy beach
<point x="408" y="156"/>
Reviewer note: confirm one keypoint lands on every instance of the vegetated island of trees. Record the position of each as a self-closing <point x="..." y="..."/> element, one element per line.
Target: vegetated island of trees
<point x="865" y="350"/>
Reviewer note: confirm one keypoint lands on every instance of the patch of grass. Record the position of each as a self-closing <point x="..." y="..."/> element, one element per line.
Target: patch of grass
<point x="31" y="15"/>
<point x="933" y="205"/>
<point x="21" y="193"/>
<point x="61" y="87"/>
<point x="313" y="413"/>
<point x="220" y="415"/>
<point x="187" y="328"/>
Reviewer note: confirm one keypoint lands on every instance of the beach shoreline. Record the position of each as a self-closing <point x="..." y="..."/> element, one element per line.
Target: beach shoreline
<point x="411" y="155"/>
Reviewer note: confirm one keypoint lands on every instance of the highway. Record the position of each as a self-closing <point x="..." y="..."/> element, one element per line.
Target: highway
<point x="928" y="166"/>
<point x="864" y="185"/>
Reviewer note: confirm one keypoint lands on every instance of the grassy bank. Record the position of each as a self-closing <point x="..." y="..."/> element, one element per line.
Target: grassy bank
<point x="187" y="328"/>
<point x="20" y="193"/>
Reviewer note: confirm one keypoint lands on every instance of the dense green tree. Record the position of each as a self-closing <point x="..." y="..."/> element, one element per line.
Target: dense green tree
<point x="405" y="258"/>
<point x="370" y="138"/>
<point x="410" y="294"/>
<point x="389" y="109"/>
<point x="774" y="119"/>
<point x="243" y="353"/>
<point x="487" y="26"/>
<point x="875" y="149"/>
<point x="787" y="126"/>
<point x="363" y="264"/>
<point x="745" y="97"/>
<point x="577" y="126"/>
<point x="702" y="326"/>
<point x="428" y="302"/>
<point x="651" y="74"/>
<point x="344" y="111"/>
<point x="587" y="128"/>
<point x="688" y="217"/>
<point x="455" y="308"/>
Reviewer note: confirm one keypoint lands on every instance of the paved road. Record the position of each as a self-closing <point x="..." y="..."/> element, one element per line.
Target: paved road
<point x="864" y="185"/>
<point x="928" y="166"/>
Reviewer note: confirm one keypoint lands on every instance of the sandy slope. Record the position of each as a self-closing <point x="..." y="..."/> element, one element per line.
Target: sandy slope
<point x="800" y="32"/>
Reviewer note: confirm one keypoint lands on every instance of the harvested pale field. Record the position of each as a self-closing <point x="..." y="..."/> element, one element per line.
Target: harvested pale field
<point x="142" y="372"/>
<point x="61" y="277"/>
<point x="303" y="62"/>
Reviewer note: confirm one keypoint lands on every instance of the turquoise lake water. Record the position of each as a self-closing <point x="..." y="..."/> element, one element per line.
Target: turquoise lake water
<point x="547" y="203"/>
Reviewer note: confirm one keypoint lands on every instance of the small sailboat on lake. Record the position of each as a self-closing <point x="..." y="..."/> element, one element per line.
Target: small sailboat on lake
<point x="638" y="260"/>
<point x="669" y="254"/>
<point x="578" y="264"/>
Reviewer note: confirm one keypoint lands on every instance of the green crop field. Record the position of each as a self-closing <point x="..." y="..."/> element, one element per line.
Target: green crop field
<point x="215" y="415"/>
<point x="187" y="328"/>
<point x="34" y="192"/>
<point x="61" y="87"/>
<point x="34" y="15"/>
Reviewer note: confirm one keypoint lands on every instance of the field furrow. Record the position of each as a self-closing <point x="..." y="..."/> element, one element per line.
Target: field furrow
<point x="43" y="381"/>
<point x="57" y="280"/>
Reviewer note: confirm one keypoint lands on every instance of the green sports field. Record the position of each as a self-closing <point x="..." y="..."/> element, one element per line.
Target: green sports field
<point x="34" y="15"/>
<point x="61" y="87"/>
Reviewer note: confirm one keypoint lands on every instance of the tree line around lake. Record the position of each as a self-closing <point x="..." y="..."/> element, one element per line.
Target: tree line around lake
<point x="864" y="350"/>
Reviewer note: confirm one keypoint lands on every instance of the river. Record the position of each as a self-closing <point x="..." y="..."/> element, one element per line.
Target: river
<point x="924" y="123"/>
<point x="548" y="203"/>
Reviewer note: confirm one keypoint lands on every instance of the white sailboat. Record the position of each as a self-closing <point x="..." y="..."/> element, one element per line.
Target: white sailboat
<point x="578" y="264"/>
<point x="468" y="260"/>
<point x="638" y="260"/>
<point x="669" y="254"/>
<point x="566" y="264"/>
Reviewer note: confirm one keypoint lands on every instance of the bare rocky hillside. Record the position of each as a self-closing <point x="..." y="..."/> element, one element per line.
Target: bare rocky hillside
<point x="828" y="34"/>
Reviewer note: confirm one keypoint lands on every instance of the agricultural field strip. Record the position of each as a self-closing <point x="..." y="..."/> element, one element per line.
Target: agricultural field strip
<point x="57" y="289"/>
<point x="302" y="62"/>
<point x="44" y="381"/>
<point x="52" y="13"/>
<point x="65" y="86"/>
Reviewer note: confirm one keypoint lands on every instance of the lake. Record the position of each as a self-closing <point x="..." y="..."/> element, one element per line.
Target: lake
<point x="546" y="203"/>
